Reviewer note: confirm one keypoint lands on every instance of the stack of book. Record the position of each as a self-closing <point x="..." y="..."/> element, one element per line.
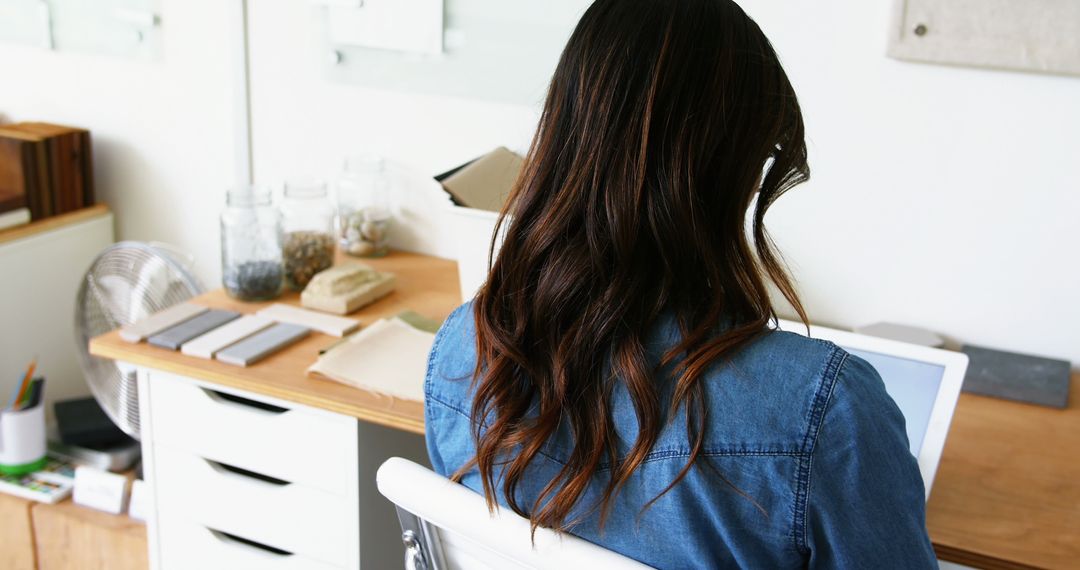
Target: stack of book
<point x="45" y="170"/>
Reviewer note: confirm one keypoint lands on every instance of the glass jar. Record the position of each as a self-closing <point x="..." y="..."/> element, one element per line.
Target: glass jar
<point x="251" y="266"/>
<point x="307" y="217"/>
<point x="364" y="208"/>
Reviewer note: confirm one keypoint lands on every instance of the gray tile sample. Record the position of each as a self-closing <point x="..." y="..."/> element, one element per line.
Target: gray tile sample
<point x="1030" y="379"/>
<point x="171" y="338"/>
<point x="160" y="321"/>
<point x="262" y="344"/>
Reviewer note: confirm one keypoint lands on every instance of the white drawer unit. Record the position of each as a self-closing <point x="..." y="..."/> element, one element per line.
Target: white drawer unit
<point x="281" y="440"/>
<point x="253" y="506"/>
<point x="190" y="546"/>
<point x="245" y="481"/>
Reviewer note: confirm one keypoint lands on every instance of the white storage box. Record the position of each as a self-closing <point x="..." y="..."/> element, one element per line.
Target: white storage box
<point x="484" y="183"/>
<point x="472" y="230"/>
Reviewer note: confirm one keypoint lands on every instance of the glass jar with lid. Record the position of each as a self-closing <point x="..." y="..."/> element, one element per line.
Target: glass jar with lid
<point x="364" y="207"/>
<point x="307" y="217"/>
<point x="251" y="263"/>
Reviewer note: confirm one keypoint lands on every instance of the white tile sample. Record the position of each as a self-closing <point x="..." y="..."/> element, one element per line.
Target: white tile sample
<point x="208" y="344"/>
<point x="326" y="324"/>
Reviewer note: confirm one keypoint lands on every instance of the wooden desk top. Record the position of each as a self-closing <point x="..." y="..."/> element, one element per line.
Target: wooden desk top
<point x="1007" y="492"/>
<point x="427" y="285"/>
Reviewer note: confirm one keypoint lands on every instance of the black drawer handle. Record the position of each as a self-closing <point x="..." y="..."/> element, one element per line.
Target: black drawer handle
<point x="239" y="540"/>
<point x="241" y="401"/>
<point x="219" y="466"/>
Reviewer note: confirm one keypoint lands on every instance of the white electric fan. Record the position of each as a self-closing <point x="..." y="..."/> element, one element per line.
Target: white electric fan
<point x="127" y="282"/>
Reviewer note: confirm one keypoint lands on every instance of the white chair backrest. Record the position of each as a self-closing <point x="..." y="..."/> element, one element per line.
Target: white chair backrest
<point x="446" y="526"/>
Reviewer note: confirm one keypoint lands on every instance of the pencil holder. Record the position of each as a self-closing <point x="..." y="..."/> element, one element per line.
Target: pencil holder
<point x="22" y="440"/>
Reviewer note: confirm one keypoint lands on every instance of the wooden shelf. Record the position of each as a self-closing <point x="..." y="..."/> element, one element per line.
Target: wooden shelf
<point x="55" y="222"/>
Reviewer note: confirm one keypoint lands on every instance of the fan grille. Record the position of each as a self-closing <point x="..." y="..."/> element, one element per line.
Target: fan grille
<point x="127" y="282"/>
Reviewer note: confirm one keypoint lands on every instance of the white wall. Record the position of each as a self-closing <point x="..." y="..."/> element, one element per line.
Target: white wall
<point x="304" y="125"/>
<point x="162" y="130"/>
<point x="944" y="197"/>
<point x="941" y="197"/>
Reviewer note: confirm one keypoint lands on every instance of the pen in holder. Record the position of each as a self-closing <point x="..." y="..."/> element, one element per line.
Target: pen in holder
<point x="22" y="440"/>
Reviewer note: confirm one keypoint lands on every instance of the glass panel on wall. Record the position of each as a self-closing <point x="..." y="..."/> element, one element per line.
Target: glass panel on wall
<point x="500" y="50"/>
<point x="122" y="28"/>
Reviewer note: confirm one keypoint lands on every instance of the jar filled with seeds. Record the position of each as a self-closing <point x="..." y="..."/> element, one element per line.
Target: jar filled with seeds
<point x="251" y="265"/>
<point x="364" y="208"/>
<point x="307" y="216"/>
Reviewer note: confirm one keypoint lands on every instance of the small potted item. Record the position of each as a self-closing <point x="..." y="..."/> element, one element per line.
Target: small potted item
<point x="346" y="288"/>
<point x="22" y="435"/>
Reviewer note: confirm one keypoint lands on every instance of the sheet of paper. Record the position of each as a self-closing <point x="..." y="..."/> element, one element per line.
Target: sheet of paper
<point x="389" y="358"/>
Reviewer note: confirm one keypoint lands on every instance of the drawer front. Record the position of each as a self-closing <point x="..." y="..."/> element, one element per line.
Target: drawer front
<point x="287" y="442"/>
<point x="189" y="546"/>
<point x="292" y="517"/>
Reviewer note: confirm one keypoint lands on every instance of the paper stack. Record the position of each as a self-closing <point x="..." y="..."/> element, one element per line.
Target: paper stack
<point x="388" y="358"/>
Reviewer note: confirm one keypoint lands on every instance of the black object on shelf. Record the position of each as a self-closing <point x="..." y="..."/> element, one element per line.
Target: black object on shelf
<point x="82" y="422"/>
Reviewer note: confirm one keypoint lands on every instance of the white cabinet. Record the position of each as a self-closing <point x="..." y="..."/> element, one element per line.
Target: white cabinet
<point x="245" y="481"/>
<point x="42" y="270"/>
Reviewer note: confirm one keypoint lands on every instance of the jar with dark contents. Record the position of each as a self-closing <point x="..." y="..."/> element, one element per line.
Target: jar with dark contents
<point x="307" y="216"/>
<point x="251" y="263"/>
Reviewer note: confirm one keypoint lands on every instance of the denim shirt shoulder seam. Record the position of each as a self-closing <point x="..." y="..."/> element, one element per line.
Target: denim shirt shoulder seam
<point x="822" y="398"/>
<point x="662" y="455"/>
<point x="436" y="400"/>
<point x="435" y="348"/>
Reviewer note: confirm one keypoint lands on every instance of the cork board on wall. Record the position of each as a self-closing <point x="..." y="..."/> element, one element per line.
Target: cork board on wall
<point x="1026" y="35"/>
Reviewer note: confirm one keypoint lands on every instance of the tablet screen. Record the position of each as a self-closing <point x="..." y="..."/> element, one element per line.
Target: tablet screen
<point x="913" y="385"/>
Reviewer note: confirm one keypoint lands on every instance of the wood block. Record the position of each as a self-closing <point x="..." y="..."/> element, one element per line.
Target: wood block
<point x="16" y="533"/>
<point x="352" y="301"/>
<point x="71" y="537"/>
<point x="21" y="170"/>
<point x="13" y="175"/>
<point x="68" y="159"/>
<point x="57" y="170"/>
<point x="86" y="148"/>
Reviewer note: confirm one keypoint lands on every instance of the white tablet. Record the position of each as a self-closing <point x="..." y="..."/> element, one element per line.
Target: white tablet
<point x="924" y="382"/>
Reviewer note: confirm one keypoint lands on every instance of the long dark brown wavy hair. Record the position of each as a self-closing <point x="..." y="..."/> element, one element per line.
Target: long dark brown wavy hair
<point x="669" y="129"/>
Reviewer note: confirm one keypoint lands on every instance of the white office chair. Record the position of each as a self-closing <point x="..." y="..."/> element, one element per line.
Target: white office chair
<point x="446" y="526"/>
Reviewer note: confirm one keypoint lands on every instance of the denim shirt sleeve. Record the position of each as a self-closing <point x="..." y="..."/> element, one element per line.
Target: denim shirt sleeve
<point x="442" y="431"/>
<point x="865" y="505"/>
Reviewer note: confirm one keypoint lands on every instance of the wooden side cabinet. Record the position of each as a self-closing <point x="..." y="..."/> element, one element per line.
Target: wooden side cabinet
<point x="66" y="536"/>
<point x="16" y="533"/>
<point x="70" y="537"/>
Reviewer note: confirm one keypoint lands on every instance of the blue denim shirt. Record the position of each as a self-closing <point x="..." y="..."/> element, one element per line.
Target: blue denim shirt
<point x="805" y="430"/>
